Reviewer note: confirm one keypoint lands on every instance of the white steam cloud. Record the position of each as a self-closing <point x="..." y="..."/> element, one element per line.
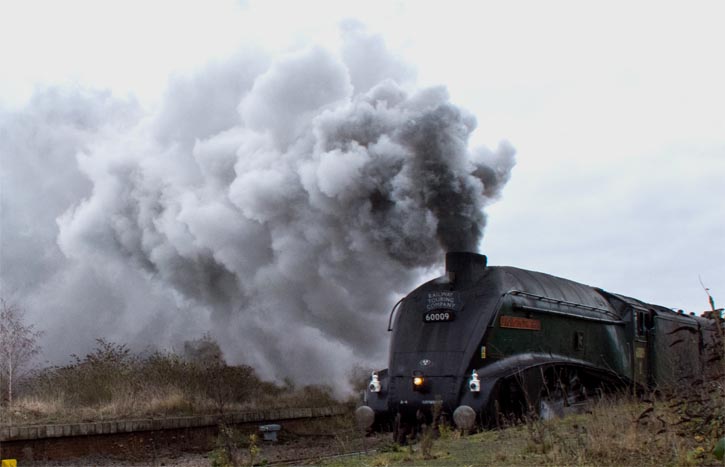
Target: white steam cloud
<point x="281" y="204"/>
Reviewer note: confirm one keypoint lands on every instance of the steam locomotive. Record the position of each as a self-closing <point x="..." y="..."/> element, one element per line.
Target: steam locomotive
<point x="482" y="342"/>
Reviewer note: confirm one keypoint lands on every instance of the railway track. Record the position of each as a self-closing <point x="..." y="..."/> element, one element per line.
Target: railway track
<point x="306" y="434"/>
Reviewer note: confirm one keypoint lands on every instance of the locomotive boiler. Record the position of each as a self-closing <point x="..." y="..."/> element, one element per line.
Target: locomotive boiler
<point x="482" y="342"/>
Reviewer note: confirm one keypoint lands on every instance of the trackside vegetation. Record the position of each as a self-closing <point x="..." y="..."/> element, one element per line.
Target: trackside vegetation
<point x="680" y="430"/>
<point x="112" y="382"/>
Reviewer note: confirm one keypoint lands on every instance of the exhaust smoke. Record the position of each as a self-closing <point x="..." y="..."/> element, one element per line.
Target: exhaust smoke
<point x="281" y="204"/>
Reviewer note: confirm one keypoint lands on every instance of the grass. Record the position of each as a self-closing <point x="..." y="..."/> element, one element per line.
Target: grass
<point x="621" y="432"/>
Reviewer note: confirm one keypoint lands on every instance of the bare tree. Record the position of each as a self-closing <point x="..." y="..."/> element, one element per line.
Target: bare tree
<point x="18" y="345"/>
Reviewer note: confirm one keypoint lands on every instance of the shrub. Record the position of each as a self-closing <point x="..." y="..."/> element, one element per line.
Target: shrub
<point x="113" y="382"/>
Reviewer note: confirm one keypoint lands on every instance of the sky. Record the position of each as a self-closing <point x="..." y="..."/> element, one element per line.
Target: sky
<point x="118" y="120"/>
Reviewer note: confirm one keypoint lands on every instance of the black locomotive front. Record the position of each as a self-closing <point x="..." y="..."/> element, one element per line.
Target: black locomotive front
<point x="435" y="332"/>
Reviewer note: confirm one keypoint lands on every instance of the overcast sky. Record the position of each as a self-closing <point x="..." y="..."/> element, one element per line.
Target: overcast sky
<point x="614" y="109"/>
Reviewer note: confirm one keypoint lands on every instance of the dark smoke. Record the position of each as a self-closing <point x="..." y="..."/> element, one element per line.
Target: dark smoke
<point x="282" y="205"/>
<point x="438" y="139"/>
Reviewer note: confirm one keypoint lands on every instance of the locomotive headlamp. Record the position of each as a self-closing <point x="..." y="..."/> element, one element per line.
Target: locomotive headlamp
<point x="474" y="384"/>
<point x="374" y="382"/>
<point x="418" y="381"/>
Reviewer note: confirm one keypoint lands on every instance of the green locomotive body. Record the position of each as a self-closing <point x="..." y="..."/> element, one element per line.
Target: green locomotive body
<point x="483" y="342"/>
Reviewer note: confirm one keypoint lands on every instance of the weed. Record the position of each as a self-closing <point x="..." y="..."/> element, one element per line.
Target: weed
<point x="390" y="447"/>
<point x="446" y="432"/>
<point x="254" y="448"/>
<point x="426" y="443"/>
<point x="228" y="451"/>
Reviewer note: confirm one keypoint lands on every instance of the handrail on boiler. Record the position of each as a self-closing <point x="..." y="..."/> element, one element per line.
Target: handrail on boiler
<point x="541" y="298"/>
<point x="392" y="312"/>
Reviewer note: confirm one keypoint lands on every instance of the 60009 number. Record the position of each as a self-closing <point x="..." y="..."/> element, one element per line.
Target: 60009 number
<point x="437" y="316"/>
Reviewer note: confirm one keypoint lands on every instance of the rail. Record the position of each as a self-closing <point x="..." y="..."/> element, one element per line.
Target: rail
<point x="555" y="301"/>
<point x="568" y="315"/>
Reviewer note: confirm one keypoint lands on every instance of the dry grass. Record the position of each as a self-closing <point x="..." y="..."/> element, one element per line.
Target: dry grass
<point x="35" y="409"/>
<point x="113" y="383"/>
<point x="156" y="402"/>
<point x="614" y="432"/>
<point x="621" y="432"/>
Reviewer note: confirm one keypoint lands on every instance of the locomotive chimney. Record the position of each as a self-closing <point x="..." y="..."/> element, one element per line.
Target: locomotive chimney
<point x="465" y="267"/>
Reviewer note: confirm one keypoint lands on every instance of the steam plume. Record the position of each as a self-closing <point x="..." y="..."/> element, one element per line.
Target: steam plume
<point x="282" y="204"/>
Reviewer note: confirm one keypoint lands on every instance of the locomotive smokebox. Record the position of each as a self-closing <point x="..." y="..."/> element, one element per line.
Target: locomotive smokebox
<point x="465" y="267"/>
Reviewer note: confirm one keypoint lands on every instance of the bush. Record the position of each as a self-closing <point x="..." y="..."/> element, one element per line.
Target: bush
<point x="113" y="382"/>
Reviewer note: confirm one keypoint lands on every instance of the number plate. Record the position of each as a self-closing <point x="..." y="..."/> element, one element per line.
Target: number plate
<point x="438" y="316"/>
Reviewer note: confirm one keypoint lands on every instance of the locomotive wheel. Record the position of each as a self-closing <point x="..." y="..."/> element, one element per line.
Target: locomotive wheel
<point x="551" y="404"/>
<point x="576" y="391"/>
<point x="562" y="392"/>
